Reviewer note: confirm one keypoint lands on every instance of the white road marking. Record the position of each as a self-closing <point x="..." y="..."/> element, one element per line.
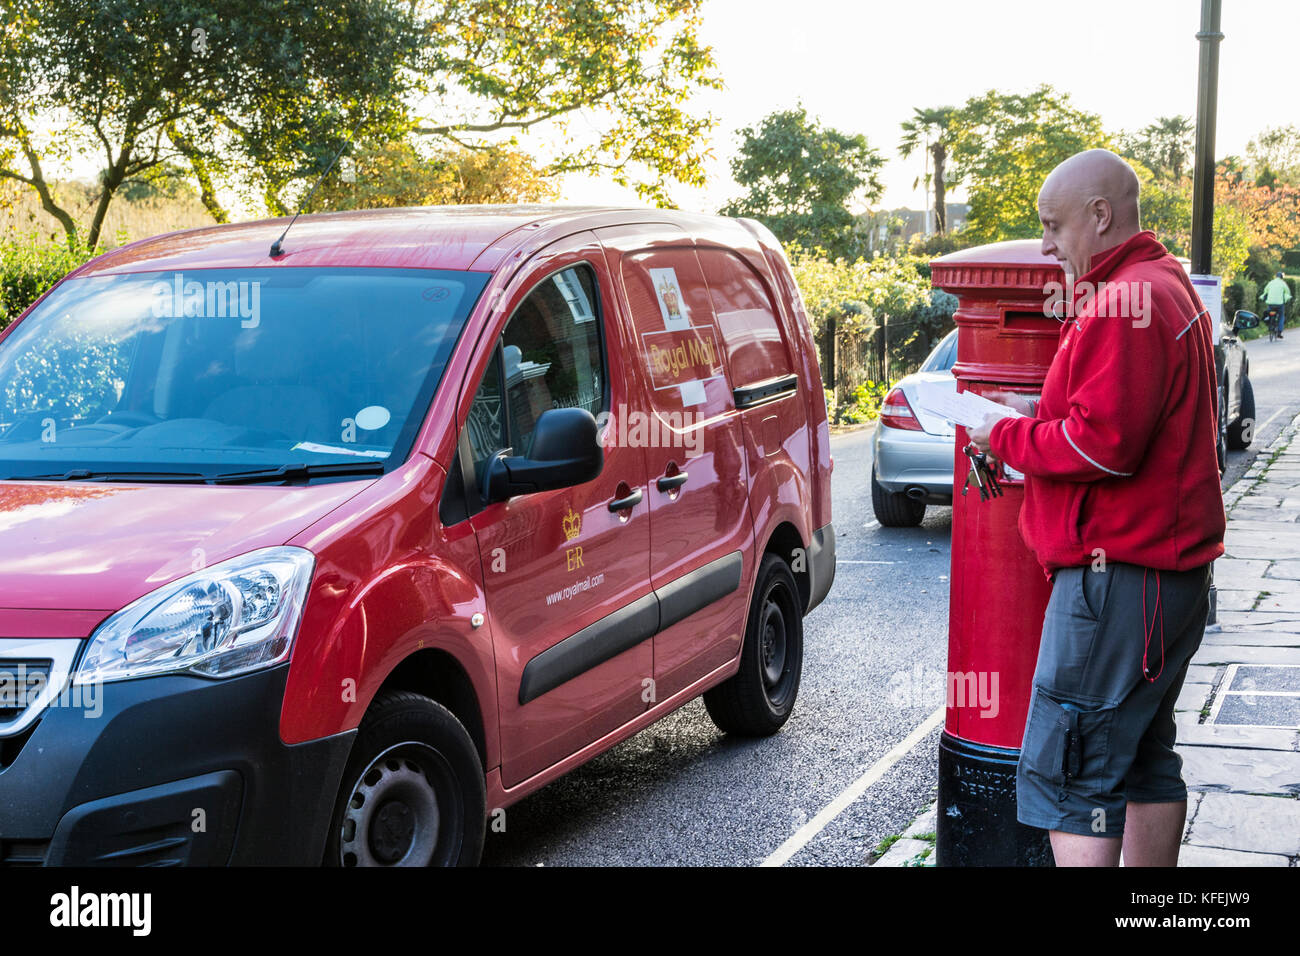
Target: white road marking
<point x="871" y="525"/>
<point x="805" y="833"/>
<point x="1270" y="418"/>
<point x="845" y="561"/>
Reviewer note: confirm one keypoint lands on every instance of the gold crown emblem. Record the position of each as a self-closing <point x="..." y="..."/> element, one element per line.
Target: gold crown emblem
<point x="572" y="525"/>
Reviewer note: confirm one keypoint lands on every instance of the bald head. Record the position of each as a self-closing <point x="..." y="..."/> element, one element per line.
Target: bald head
<point x="1087" y="204"/>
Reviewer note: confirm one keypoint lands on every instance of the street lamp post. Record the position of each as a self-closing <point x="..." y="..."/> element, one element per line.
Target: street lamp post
<point x="1207" y="104"/>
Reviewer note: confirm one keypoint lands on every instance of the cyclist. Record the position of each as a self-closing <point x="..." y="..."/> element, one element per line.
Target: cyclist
<point x="1276" y="295"/>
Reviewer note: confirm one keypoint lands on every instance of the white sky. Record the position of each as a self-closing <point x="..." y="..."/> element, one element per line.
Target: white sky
<point x="862" y="66"/>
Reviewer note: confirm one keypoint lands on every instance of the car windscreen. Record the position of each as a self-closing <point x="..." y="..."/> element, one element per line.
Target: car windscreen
<point x="219" y="371"/>
<point x="944" y="355"/>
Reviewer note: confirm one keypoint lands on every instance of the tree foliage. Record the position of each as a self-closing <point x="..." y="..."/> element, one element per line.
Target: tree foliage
<point x="1164" y="147"/>
<point x="936" y="127"/>
<point x="1004" y="147"/>
<point x="395" y="174"/>
<point x="267" y="87"/>
<point x="628" y="67"/>
<point x="258" y="95"/>
<point x="801" y="179"/>
<point x="1275" y="156"/>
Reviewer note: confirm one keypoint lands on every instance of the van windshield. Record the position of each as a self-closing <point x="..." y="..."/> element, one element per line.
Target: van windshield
<point x="170" y="376"/>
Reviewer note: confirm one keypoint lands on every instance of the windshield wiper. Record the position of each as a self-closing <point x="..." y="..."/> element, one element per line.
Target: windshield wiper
<point x="300" y="472"/>
<point x="83" y="474"/>
<point x="294" y="472"/>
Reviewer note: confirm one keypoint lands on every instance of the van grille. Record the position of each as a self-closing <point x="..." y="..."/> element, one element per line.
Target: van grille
<point x="20" y="683"/>
<point x="33" y="673"/>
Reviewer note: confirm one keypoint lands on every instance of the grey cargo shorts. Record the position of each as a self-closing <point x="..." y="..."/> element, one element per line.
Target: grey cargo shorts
<point x="1099" y="733"/>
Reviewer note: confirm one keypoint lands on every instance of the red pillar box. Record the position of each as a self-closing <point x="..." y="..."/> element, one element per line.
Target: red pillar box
<point x="1005" y="341"/>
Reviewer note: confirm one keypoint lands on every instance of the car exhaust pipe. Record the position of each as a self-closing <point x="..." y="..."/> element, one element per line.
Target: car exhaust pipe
<point x="916" y="493"/>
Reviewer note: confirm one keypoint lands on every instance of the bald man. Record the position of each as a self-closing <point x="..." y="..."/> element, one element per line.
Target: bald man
<point x="1124" y="512"/>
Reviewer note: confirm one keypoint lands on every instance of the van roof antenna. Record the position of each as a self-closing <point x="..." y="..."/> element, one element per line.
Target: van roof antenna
<point x="277" y="247"/>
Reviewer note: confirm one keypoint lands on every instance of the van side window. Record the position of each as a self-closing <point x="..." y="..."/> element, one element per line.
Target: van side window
<point x="486" y="424"/>
<point x="756" y="350"/>
<point x="552" y="354"/>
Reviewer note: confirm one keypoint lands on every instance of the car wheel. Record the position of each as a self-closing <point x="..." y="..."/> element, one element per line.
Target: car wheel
<point x="1223" y="429"/>
<point x="1242" y="432"/>
<point x="758" y="699"/>
<point x="894" y="509"/>
<point x="413" y="792"/>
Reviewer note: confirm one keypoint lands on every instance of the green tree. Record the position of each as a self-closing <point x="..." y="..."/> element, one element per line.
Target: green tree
<point x="1004" y="147"/>
<point x="935" y="127"/>
<point x="801" y="178"/>
<point x="628" y="68"/>
<point x="1275" y="156"/>
<point x="269" y="84"/>
<point x="1164" y="147"/>
<point x="395" y="174"/>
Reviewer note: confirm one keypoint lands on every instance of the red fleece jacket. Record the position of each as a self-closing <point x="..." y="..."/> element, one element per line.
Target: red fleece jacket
<point x="1121" y="458"/>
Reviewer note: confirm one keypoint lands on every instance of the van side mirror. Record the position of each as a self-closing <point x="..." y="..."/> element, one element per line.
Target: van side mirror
<point x="566" y="452"/>
<point x="1244" y="320"/>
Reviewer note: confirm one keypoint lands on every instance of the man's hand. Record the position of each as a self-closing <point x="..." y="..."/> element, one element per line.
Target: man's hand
<point x="1011" y="400"/>
<point x="979" y="436"/>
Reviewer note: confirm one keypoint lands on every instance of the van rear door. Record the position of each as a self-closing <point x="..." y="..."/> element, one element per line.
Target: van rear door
<point x="701" y="533"/>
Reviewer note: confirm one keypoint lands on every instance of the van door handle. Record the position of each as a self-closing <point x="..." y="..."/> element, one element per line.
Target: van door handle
<point x="669" y="482"/>
<point x="621" y="504"/>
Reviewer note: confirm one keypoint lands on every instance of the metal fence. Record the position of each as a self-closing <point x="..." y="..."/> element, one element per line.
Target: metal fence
<point x="882" y="353"/>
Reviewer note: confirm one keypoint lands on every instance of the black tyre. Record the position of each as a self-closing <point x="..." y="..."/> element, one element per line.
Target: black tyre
<point x="1242" y="432"/>
<point x="893" y="509"/>
<point x="758" y="700"/>
<point x="413" y="791"/>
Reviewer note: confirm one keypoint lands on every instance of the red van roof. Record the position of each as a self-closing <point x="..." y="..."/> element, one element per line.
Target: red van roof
<point x="419" y="237"/>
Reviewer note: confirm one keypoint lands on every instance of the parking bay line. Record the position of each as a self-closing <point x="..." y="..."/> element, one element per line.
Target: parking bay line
<point x="803" y="836"/>
<point x="845" y="561"/>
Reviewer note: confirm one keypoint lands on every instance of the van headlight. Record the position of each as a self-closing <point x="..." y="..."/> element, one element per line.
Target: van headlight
<point x="232" y="618"/>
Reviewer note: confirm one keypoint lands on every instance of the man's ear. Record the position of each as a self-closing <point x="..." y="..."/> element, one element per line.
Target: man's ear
<point x="1102" y="214"/>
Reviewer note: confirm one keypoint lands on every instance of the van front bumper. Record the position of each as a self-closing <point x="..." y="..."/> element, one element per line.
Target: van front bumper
<point x="168" y="770"/>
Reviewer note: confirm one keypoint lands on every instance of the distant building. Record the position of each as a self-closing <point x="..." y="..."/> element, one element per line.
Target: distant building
<point x="892" y="229"/>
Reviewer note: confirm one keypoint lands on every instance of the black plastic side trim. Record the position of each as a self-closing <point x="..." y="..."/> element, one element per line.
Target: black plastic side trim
<point x="697" y="589"/>
<point x="821" y="563"/>
<point x="750" y="395"/>
<point x="629" y="626"/>
<point x="610" y="636"/>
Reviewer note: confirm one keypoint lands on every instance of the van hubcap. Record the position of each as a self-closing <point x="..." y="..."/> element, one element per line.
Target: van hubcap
<point x="773" y="645"/>
<point x="392" y="816"/>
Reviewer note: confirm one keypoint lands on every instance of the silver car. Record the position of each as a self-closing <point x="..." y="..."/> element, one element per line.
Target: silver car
<point x="914" y="449"/>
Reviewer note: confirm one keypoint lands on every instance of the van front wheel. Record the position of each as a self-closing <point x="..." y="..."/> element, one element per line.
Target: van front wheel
<point x="413" y="792"/>
<point x="758" y="699"/>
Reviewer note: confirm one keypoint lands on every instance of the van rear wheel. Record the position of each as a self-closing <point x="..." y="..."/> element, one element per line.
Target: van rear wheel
<point x="759" y="698"/>
<point x="413" y="792"/>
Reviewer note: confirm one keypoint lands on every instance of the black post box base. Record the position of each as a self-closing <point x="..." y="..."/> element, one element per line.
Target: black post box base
<point x="977" y="823"/>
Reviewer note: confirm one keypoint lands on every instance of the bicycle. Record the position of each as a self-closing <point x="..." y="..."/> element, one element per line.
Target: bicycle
<point x="1273" y="317"/>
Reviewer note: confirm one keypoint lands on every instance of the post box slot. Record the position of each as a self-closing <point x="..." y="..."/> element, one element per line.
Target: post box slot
<point x="1030" y="322"/>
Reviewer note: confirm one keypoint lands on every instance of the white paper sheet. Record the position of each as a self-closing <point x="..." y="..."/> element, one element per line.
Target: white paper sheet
<point x="961" y="408"/>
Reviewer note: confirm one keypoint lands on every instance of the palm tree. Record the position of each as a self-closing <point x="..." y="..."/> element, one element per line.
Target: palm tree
<point x="937" y="128"/>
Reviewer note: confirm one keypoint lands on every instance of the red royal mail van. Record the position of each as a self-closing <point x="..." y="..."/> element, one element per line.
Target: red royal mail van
<point x="332" y="553"/>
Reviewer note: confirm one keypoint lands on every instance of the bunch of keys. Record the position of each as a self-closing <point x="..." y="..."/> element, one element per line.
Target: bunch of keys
<point x="982" y="473"/>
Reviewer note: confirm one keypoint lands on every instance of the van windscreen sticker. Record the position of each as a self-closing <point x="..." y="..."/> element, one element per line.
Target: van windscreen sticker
<point x="672" y="304"/>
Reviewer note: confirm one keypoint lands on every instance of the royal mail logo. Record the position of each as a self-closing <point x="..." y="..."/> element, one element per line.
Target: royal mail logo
<point x="671" y="299"/>
<point x="572" y="525"/>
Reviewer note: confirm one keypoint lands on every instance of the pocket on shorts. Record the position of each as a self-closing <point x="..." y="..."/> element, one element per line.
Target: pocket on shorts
<point x="1066" y="744"/>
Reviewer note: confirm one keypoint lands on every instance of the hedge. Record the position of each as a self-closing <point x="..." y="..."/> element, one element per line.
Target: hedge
<point x="29" y="267"/>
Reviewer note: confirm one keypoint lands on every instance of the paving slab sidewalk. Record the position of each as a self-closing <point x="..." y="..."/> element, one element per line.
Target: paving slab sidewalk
<point x="1238" y="716"/>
